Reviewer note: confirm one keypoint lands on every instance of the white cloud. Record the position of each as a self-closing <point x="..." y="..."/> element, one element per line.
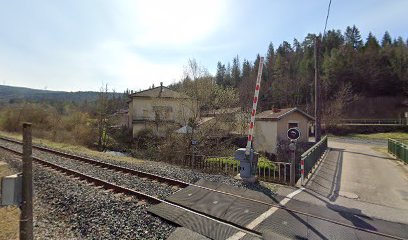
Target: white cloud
<point x="127" y="69"/>
<point x="177" y="22"/>
<point x="81" y="51"/>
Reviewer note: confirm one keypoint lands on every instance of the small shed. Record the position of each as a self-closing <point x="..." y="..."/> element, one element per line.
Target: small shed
<point x="271" y="127"/>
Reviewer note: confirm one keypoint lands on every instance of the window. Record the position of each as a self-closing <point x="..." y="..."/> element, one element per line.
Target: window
<point x="292" y="125"/>
<point x="162" y="112"/>
<point x="145" y="113"/>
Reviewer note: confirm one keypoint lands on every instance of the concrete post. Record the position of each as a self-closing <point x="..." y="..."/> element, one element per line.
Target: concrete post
<point x="26" y="219"/>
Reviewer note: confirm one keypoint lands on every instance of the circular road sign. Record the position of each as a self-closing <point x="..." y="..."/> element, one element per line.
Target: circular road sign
<point x="293" y="133"/>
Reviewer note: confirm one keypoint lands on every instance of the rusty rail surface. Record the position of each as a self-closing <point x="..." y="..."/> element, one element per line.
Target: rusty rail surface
<point x="152" y="199"/>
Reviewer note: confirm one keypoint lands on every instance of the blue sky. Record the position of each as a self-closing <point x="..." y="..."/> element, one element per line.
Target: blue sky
<point x="77" y="45"/>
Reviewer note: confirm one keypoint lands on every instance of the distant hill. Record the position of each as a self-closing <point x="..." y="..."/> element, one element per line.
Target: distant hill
<point x="14" y="94"/>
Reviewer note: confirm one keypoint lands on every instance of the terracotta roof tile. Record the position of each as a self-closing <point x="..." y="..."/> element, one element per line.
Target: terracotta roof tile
<point x="155" y="92"/>
<point x="271" y="115"/>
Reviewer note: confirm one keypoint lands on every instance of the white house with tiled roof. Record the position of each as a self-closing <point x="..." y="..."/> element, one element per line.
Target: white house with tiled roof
<point x="159" y="108"/>
<point x="271" y="127"/>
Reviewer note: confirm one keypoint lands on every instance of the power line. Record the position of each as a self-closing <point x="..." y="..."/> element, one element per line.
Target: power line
<point x="327" y="18"/>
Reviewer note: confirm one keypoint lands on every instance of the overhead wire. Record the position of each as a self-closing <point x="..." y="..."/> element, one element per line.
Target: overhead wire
<point x="327" y="18"/>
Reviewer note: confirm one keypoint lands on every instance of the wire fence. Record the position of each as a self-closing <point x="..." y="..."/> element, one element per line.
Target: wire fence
<point x="278" y="172"/>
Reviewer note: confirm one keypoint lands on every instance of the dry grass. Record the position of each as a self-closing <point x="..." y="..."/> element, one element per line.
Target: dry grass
<point x="10" y="215"/>
<point x="74" y="149"/>
<point x="396" y="135"/>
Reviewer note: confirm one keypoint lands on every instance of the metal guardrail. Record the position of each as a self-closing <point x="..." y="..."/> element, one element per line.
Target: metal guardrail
<point x="398" y="149"/>
<point x="371" y="121"/>
<point x="309" y="158"/>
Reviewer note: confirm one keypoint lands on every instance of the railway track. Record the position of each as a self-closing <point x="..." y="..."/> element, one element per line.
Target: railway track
<point x="169" y="181"/>
<point x="124" y="190"/>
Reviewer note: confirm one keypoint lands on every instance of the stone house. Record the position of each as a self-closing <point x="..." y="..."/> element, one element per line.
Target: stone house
<point x="158" y="109"/>
<point x="271" y="127"/>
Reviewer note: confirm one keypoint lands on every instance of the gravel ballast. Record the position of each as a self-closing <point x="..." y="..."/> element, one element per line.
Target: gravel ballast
<point x="177" y="172"/>
<point x="91" y="213"/>
<point x="71" y="209"/>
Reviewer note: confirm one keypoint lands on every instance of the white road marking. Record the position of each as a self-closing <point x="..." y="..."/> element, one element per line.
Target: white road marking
<point x="265" y="215"/>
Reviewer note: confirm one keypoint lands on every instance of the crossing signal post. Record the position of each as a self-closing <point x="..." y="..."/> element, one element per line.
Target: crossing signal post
<point x="293" y="135"/>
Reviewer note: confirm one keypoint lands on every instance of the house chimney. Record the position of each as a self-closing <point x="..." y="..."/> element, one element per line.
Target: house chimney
<point x="161" y="87"/>
<point x="275" y="110"/>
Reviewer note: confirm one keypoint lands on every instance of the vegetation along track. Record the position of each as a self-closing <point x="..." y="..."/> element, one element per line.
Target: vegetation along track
<point x="169" y="181"/>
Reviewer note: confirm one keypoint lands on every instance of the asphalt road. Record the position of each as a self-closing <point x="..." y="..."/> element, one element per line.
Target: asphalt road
<point x="355" y="185"/>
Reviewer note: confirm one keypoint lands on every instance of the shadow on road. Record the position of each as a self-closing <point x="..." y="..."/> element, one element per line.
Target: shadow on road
<point x="369" y="155"/>
<point x="353" y="215"/>
<point x="325" y="186"/>
<point x="327" y="178"/>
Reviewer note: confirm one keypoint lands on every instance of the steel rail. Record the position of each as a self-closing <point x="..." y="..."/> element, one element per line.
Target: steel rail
<point x="115" y="167"/>
<point x="140" y="195"/>
<point x="185" y="184"/>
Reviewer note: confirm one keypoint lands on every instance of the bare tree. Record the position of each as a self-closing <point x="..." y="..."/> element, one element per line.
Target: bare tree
<point x="102" y="114"/>
<point x="207" y="97"/>
<point x="335" y="108"/>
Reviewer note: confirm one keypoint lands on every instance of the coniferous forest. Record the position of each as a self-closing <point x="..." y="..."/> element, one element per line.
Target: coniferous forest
<point x="350" y="68"/>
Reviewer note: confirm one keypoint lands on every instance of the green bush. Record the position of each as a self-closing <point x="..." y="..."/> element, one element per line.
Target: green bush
<point x="263" y="162"/>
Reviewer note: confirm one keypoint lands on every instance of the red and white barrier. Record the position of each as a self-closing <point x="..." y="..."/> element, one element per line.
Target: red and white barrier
<point x="254" y="105"/>
<point x="302" y="170"/>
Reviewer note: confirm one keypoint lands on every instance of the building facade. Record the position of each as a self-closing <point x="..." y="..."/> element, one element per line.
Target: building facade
<point x="158" y="109"/>
<point x="271" y="127"/>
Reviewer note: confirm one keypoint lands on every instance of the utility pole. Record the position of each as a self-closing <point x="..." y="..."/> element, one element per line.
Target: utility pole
<point x="26" y="219"/>
<point x="318" y="130"/>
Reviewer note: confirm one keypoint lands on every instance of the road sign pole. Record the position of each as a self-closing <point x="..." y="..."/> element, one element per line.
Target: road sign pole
<point x="292" y="148"/>
<point x="26" y="219"/>
<point x="293" y="136"/>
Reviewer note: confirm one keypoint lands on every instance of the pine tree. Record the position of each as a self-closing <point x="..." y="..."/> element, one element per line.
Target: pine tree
<point x="246" y="69"/>
<point x="235" y="72"/>
<point x="386" y="40"/>
<point x="220" y="75"/>
<point x="228" y="78"/>
<point x="269" y="62"/>
<point x="372" y="42"/>
<point x="333" y="39"/>
<point x="353" y="37"/>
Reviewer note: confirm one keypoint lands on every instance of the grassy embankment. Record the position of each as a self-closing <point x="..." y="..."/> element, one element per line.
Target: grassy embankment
<point x="400" y="136"/>
<point x="9" y="215"/>
<point x="375" y="136"/>
<point x="73" y="148"/>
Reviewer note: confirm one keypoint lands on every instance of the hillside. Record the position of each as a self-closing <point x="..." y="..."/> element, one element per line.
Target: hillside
<point x="12" y="94"/>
